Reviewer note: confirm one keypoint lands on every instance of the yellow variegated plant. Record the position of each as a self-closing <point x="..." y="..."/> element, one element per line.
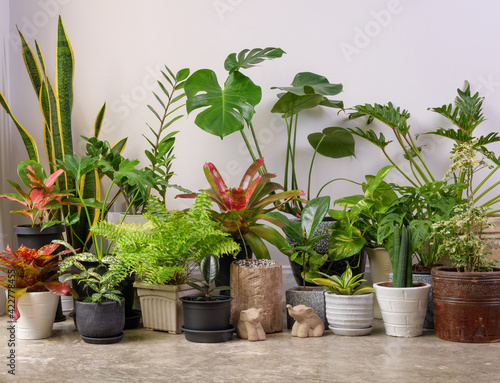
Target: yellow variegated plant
<point x="345" y="284"/>
<point x="56" y="103"/>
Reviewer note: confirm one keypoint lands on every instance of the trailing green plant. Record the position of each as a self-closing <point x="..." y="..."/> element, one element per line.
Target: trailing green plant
<point x="345" y="284"/>
<point x="167" y="248"/>
<point x="95" y="272"/>
<point x="461" y="240"/>
<point x="356" y="225"/>
<point x="241" y="208"/>
<point x="56" y="102"/>
<point x="401" y="258"/>
<point x="302" y="236"/>
<point x="209" y="267"/>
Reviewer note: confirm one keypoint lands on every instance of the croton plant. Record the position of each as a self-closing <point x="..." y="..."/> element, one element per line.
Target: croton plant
<point x="31" y="270"/>
<point x="241" y="207"/>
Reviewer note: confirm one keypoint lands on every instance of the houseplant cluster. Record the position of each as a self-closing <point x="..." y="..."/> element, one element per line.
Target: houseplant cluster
<point x="431" y="224"/>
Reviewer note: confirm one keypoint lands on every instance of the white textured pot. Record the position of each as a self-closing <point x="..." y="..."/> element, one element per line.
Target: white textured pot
<point x="349" y="314"/>
<point x="37" y="310"/>
<point x="161" y="307"/>
<point x="380" y="267"/>
<point x="403" y="308"/>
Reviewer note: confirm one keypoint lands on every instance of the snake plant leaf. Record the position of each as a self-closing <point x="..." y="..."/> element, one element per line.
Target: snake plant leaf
<point x="28" y="140"/>
<point x="249" y="58"/>
<point x="64" y="84"/>
<point x="98" y="121"/>
<point x="225" y="110"/>
<point x="333" y="142"/>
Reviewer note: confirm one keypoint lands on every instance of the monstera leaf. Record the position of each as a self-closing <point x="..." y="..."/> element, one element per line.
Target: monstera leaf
<point x="225" y="110"/>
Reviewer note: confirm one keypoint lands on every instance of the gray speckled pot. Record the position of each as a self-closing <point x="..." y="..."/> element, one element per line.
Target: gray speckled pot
<point x="313" y="297"/>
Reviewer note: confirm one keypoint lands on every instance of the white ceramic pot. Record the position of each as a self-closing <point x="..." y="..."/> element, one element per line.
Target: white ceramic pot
<point x="37" y="310"/>
<point x="380" y="267"/>
<point x="403" y="308"/>
<point x="349" y="314"/>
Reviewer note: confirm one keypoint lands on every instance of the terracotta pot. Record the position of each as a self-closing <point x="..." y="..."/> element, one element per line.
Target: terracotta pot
<point x="466" y="305"/>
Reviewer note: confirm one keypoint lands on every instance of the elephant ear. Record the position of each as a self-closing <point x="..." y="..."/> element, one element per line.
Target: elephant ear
<point x="309" y="312"/>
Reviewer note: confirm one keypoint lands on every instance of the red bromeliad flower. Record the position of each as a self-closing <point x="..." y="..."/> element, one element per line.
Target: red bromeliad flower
<point x="34" y="270"/>
<point x="241" y="207"/>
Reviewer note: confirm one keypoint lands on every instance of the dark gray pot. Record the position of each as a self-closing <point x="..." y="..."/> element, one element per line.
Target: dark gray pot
<point x="313" y="297"/>
<point x="206" y="315"/>
<point x="100" y="321"/>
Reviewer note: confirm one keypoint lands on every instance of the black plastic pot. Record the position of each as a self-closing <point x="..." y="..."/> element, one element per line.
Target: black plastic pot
<point x="224" y="276"/>
<point x="207" y="321"/>
<point x="100" y="323"/>
<point x="206" y="315"/>
<point x="34" y="238"/>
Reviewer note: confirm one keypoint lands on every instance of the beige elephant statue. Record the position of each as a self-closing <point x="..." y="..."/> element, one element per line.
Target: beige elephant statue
<point x="249" y="326"/>
<point x="307" y="322"/>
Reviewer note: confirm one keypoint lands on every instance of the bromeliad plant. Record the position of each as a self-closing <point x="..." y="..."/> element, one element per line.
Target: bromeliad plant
<point x="44" y="200"/>
<point x="345" y="284"/>
<point x="209" y="267"/>
<point x="34" y="270"/>
<point x="241" y="208"/>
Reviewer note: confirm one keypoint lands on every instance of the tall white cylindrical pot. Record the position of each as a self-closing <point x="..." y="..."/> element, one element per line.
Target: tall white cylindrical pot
<point x="37" y="310"/>
<point x="380" y="267"/>
<point x="403" y="308"/>
<point x="349" y="314"/>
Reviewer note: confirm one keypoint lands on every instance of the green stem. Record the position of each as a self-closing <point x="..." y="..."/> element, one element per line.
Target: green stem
<point x="247" y="143"/>
<point x="254" y="136"/>
<point x="397" y="167"/>
<point x="336" y="179"/>
<point x="417" y="152"/>
<point x="409" y="156"/>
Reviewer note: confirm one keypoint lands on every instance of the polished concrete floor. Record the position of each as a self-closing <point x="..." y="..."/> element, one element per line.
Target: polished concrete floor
<point x="149" y="356"/>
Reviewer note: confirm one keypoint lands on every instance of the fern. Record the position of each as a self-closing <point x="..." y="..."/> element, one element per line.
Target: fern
<point x="169" y="246"/>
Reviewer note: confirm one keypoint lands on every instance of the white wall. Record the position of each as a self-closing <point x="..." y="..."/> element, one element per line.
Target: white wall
<point x="414" y="54"/>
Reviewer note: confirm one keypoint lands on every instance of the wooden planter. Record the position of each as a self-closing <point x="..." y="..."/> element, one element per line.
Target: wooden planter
<point x="161" y="307"/>
<point x="466" y="305"/>
<point x="258" y="283"/>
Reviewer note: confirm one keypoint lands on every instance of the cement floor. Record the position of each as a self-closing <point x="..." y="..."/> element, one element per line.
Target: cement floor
<point x="148" y="357"/>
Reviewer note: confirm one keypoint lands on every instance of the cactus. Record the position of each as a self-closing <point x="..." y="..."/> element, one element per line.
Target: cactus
<point x="401" y="258"/>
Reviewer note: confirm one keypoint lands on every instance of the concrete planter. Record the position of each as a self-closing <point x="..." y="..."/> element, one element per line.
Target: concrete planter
<point x="161" y="307"/>
<point x="37" y="310"/>
<point x="312" y="297"/>
<point x="349" y="314"/>
<point x="403" y="308"/>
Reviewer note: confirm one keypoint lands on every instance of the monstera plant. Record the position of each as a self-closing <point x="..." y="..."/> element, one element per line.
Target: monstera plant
<point x="230" y="108"/>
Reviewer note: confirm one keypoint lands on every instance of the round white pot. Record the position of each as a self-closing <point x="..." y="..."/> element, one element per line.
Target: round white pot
<point x="37" y="311"/>
<point x="403" y="308"/>
<point x="349" y="314"/>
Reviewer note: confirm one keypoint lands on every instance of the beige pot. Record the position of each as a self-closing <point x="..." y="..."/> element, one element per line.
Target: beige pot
<point x="161" y="307"/>
<point x="37" y="310"/>
<point x="380" y="267"/>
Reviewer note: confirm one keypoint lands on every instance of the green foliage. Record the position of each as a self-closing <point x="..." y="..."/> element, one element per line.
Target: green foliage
<point x="461" y="241"/>
<point x="168" y="247"/>
<point x="92" y="276"/>
<point x="401" y="258"/>
<point x="209" y="267"/>
<point x="302" y="235"/>
<point x="345" y="284"/>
